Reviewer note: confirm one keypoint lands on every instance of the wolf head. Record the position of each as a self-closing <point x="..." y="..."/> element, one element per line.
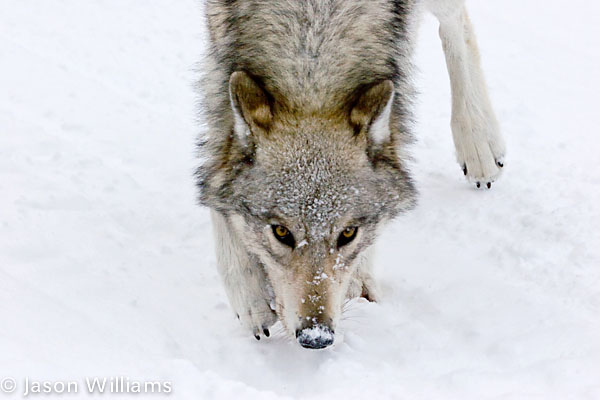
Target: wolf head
<point x="307" y="192"/>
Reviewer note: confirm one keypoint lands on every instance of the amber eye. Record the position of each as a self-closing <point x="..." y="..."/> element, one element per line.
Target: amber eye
<point x="281" y="231"/>
<point x="347" y="236"/>
<point x="284" y="235"/>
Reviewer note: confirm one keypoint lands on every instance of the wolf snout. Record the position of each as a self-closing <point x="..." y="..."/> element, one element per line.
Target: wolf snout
<point x="315" y="337"/>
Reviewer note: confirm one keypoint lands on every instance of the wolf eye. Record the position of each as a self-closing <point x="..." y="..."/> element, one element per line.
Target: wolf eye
<point x="284" y="235"/>
<point x="347" y="236"/>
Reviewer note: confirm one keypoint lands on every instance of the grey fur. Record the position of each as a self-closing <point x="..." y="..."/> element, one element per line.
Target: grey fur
<point x="308" y="111"/>
<point x="312" y="57"/>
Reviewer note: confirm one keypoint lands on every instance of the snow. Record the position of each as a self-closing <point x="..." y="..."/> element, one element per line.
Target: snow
<point x="316" y="337"/>
<point x="315" y="332"/>
<point x="107" y="267"/>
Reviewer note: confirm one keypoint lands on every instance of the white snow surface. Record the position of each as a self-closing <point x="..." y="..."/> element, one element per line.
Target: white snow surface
<point x="107" y="265"/>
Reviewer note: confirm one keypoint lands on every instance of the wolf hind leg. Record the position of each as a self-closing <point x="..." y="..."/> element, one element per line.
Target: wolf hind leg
<point x="480" y="148"/>
<point x="245" y="281"/>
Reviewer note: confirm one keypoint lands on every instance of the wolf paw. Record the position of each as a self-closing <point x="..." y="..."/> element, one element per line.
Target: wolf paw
<point x="370" y="290"/>
<point x="480" y="152"/>
<point x="256" y="315"/>
<point x="365" y="286"/>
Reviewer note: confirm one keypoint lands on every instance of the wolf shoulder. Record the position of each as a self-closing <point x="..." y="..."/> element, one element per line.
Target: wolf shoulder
<point x="310" y="53"/>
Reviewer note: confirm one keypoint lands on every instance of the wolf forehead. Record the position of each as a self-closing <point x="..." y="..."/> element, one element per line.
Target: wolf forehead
<point x="317" y="185"/>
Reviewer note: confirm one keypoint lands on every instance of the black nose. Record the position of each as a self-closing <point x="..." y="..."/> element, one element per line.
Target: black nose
<point x="316" y="337"/>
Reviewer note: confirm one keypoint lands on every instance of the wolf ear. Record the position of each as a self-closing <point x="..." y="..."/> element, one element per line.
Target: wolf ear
<point x="372" y="112"/>
<point x="250" y="104"/>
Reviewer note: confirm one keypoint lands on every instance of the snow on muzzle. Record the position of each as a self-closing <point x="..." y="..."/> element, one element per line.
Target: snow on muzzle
<point x="315" y="337"/>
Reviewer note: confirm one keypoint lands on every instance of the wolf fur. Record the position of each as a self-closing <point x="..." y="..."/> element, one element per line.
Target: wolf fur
<point x="308" y="107"/>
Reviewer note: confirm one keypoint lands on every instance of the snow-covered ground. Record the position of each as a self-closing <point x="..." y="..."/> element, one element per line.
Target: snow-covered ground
<point x="106" y="262"/>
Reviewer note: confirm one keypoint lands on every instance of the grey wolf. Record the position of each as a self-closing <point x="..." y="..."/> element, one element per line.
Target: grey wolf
<point x="308" y="108"/>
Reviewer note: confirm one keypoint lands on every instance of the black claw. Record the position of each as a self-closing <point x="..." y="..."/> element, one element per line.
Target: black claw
<point x="489" y="185"/>
<point x="500" y="164"/>
<point x="266" y="332"/>
<point x="465" y="170"/>
<point x="238" y="316"/>
<point x="257" y="337"/>
<point x="478" y="185"/>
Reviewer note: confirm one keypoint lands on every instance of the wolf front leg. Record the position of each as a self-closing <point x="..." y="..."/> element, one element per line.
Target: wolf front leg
<point x="244" y="279"/>
<point x="363" y="282"/>
<point x="479" y="145"/>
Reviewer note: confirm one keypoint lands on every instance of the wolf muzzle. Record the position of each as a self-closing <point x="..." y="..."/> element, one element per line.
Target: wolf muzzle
<point x="315" y="337"/>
